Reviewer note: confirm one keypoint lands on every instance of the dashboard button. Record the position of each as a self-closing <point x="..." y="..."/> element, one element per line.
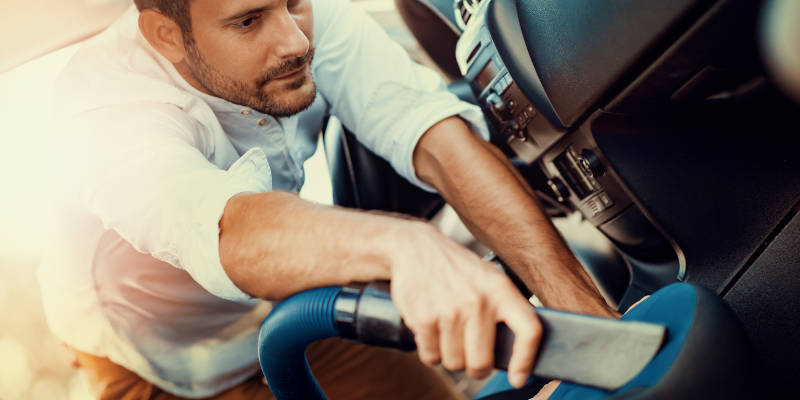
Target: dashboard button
<point x="591" y="164"/>
<point x="559" y="189"/>
<point x="498" y="107"/>
<point x="605" y="199"/>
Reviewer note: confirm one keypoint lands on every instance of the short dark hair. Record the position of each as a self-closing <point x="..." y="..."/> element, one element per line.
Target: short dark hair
<point x="176" y="10"/>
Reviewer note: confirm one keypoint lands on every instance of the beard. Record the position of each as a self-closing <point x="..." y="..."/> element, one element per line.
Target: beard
<point x="254" y="94"/>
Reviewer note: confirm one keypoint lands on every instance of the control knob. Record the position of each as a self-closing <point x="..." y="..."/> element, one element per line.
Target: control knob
<point x="559" y="189"/>
<point x="498" y="107"/>
<point x="502" y="113"/>
<point x="591" y="164"/>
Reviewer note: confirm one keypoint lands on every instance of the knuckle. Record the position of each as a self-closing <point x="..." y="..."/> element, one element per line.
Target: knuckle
<point x="478" y="373"/>
<point x="429" y="358"/>
<point x="529" y="337"/>
<point x="424" y="345"/>
<point x="428" y="352"/>
<point x="537" y="333"/>
<point x="524" y="350"/>
<point x="500" y="284"/>
<point x="424" y="230"/>
<point x="482" y="302"/>
<point x="476" y="303"/>
<point x="425" y="322"/>
<point x="536" y="330"/>
<point x="453" y="363"/>
<point x="477" y="370"/>
<point x="450" y="316"/>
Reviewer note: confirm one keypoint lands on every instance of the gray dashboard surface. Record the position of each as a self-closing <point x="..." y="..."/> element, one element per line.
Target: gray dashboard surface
<point x="580" y="48"/>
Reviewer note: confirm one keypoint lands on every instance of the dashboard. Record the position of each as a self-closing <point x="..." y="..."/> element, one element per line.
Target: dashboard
<point x="536" y="107"/>
<point x="657" y="122"/>
<point x="593" y="94"/>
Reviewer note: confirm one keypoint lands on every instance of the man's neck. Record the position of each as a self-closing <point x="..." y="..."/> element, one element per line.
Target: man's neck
<point x="187" y="75"/>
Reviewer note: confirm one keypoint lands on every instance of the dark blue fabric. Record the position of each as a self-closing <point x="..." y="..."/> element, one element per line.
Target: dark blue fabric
<point x="290" y="327"/>
<point x="498" y="383"/>
<point x="673" y="306"/>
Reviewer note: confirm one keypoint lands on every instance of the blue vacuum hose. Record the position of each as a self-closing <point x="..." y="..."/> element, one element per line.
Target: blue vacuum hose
<point x="290" y="327"/>
<point x="361" y="312"/>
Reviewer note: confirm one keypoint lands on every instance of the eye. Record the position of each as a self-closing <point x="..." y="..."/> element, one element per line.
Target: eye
<point x="248" y="22"/>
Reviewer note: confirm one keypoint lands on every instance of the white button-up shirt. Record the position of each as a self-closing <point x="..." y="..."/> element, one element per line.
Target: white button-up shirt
<point x="133" y="272"/>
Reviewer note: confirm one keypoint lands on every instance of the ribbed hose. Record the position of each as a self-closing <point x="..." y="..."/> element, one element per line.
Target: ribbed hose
<point x="290" y="327"/>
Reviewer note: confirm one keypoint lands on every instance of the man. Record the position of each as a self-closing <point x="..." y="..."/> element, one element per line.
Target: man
<point x="188" y="123"/>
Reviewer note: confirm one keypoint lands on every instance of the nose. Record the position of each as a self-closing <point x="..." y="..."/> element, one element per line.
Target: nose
<point x="291" y="40"/>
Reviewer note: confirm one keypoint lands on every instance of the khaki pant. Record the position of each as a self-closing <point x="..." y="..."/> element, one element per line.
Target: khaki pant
<point x="344" y="370"/>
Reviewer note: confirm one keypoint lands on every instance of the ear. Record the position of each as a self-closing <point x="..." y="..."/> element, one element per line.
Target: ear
<point x="163" y="34"/>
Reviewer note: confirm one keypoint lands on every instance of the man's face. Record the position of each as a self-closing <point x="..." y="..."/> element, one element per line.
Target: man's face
<point x="256" y="53"/>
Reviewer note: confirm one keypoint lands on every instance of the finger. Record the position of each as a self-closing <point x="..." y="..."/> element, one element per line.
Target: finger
<point x="426" y="335"/>
<point x="522" y="320"/>
<point x="479" y="337"/>
<point x="547" y="390"/>
<point x="451" y="341"/>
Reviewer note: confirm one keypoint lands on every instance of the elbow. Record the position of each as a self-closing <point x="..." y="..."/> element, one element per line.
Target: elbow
<point x="244" y="239"/>
<point x="442" y="145"/>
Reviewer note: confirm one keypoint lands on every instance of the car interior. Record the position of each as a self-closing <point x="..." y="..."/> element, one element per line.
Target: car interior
<point x="670" y="127"/>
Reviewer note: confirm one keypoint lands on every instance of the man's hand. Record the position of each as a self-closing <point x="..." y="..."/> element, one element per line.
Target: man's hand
<point x="275" y="244"/>
<point x="452" y="301"/>
<point x="547" y="390"/>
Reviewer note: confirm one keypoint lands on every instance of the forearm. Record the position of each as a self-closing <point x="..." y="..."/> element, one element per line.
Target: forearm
<point x="275" y="244"/>
<point x="500" y="209"/>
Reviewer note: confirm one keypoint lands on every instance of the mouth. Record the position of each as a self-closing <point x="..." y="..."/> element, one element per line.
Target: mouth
<point x="292" y="74"/>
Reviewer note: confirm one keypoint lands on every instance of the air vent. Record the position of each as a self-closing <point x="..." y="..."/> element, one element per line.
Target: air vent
<point x="464" y="10"/>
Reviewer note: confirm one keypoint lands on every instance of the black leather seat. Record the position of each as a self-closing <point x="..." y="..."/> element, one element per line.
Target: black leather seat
<point x="361" y="179"/>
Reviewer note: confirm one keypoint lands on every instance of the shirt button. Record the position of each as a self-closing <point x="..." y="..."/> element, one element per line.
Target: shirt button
<point x="261" y="121"/>
<point x="245" y="111"/>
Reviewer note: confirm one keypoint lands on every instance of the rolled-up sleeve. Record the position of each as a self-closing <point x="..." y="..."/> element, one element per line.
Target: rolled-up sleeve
<point x="378" y="92"/>
<point x="144" y="171"/>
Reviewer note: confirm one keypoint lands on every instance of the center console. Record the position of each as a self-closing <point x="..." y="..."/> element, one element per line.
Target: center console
<point x="657" y="122"/>
<point x="544" y="122"/>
